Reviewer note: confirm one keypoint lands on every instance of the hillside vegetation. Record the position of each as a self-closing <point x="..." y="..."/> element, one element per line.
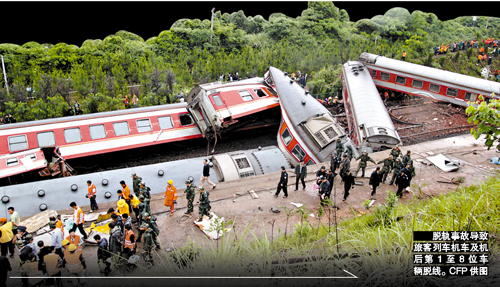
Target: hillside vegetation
<point x="100" y="73"/>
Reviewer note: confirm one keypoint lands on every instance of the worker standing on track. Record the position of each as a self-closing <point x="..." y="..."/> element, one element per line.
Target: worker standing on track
<point x="92" y="194"/>
<point x="171" y="196"/>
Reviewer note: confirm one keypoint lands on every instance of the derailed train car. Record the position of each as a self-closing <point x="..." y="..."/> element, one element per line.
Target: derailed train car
<point x="58" y="193"/>
<point x="428" y="82"/>
<point x="308" y="131"/>
<point x="370" y="126"/>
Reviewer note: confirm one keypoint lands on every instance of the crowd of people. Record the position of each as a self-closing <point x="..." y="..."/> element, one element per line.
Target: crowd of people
<point x="397" y="166"/>
<point x="7" y="119"/>
<point x="131" y="222"/>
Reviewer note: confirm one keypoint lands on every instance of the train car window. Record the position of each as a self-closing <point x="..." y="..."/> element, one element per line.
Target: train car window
<point x="470" y="97"/>
<point x="217" y="101"/>
<point x="31" y="155"/>
<point x="143" y="125"/>
<point x="286" y="136"/>
<point x="97" y="132"/>
<point x="260" y="93"/>
<point x="434" y="88"/>
<point x="245" y="95"/>
<point x="72" y="135"/>
<point x="385" y="76"/>
<point x="452" y="92"/>
<point x="121" y="128"/>
<point x="18" y="143"/>
<point x="12" y="161"/>
<point x="46" y="139"/>
<point x="417" y="84"/>
<point x="185" y="119"/>
<point x="298" y="152"/>
<point x="165" y="122"/>
<point x="400" y="80"/>
<point x="374" y="73"/>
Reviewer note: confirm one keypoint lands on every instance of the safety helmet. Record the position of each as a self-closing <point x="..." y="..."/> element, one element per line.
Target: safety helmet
<point x="145" y="214"/>
<point x="28" y="237"/>
<point x="121" y="202"/>
<point x="142" y="183"/>
<point x="170" y="182"/>
<point x="141" y="197"/>
<point x="190" y="179"/>
<point x="65" y="242"/>
<point x="201" y="188"/>
<point x="52" y="224"/>
<point x="144" y="225"/>
<point x="72" y="247"/>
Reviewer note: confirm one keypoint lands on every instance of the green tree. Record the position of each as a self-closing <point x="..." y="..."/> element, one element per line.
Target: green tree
<point x="487" y="120"/>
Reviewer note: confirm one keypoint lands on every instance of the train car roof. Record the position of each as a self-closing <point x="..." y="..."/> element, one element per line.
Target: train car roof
<point x="130" y="112"/>
<point x="367" y="104"/>
<point x="218" y="85"/>
<point x="429" y="72"/>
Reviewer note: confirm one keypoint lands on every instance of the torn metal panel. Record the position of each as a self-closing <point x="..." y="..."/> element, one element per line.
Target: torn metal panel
<point x="443" y="163"/>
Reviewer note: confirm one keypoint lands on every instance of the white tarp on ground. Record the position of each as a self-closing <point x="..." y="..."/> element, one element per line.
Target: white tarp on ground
<point x="443" y="163"/>
<point x="208" y="226"/>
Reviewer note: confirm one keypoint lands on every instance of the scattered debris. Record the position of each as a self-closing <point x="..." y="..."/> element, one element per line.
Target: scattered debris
<point x="275" y="209"/>
<point x="443" y="163"/>
<point x="253" y="194"/>
<point x="495" y="160"/>
<point x="38" y="221"/>
<point x="208" y="226"/>
<point x="298" y="205"/>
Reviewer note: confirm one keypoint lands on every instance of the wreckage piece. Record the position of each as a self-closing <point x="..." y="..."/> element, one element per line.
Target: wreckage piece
<point x="443" y="163"/>
<point x="38" y="221"/>
<point x="209" y="226"/>
<point x="308" y="131"/>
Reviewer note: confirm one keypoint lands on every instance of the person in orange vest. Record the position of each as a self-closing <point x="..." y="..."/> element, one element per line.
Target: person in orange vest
<point x="92" y="193"/>
<point x="52" y="266"/>
<point x="75" y="264"/>
<point x="123" y="207"/>
<point x="78" y="219"/>
<point x="485" y="57"/>
<point x="126" y="193"/>
<point x="170" y="196"/>
<point x="129" y="244"/>
<point x="57" y="220"/>
<point x="481" y="50"/>
<point x="74" y="239"/>
<point x="479" y="58"/>
<point x="404" y="56"/>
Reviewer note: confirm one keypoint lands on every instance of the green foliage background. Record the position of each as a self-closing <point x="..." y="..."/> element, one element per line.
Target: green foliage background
<point x="318" y="42"/>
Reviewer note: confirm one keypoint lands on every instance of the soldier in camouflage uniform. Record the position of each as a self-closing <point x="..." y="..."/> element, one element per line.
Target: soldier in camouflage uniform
<point x="190" y="192"/>
<point x="407" y="157"/>
<point x="398" y="165"/>
<point x="145" y="191"/>
<point x="148" y="241"/>
<point x="156" y="230"/>
<point x="349" y="152"/>
<point x="136" y="181"/>
<point x="364" y="158"/>
<point x="388" y="166"/>
<point x="204" y="206"/>
<point x="339" y="147"/>
<point x="396" y="152"/>
<point x="144" y="219"/>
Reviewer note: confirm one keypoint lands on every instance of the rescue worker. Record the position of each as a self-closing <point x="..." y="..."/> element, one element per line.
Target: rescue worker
<point x="65" y="244"/>
<point x="402" y="182"/>
<point x="92" y="193"/>
<point x="78" y="219"/>
<point x="57" y="238"/>
<point x="148" y="241"/>
<point x="283" y="183"/>
<point x="396" y="152"/>
<point x="129" y="244"/>
<point x="363" y="158"/>
<point x="324" y="190"/>
<point x="410" y="171"/>
<point x="146" y="192"/>
<point x="348" y="184"/>
<point x="34" y="271"/>
<point x="52" y="263"/>
<point x="75" y="264"/>
<point x="115" y="239"/>
<point x="145" y="218"/>
<point x="156" y="230"/>
<point x="103" y="254"/>
<point x="170" y="196"/>
<point x="74" y="239"/>
<point x="204" y="207"/>
<point x="189" y="192"/>
<point x="117" y="220"/>
<point x="127" y="220"/>
<point x="143" y="208"/>
<point x="345" y="165"/>
<point x="136" y="180"/>
<point x="6" y="237"/>
<point x="375" y="181"/>
<point x="300" y="174"/>
<point x="320" y="173"/>
<point x="126" y="193"/>
<point x="349" y="152"/>
<point x="406" y="158"/>
<point x="122" y="207"/>
<point x="134" y="202"/>
<point x="58" y="221"/>
<point x="335" y="162"/>
<point x="398" y="165"/>
<point x="339" y="147"/>
<point x="386" y="169"/>
<point x="25" y="250"/>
